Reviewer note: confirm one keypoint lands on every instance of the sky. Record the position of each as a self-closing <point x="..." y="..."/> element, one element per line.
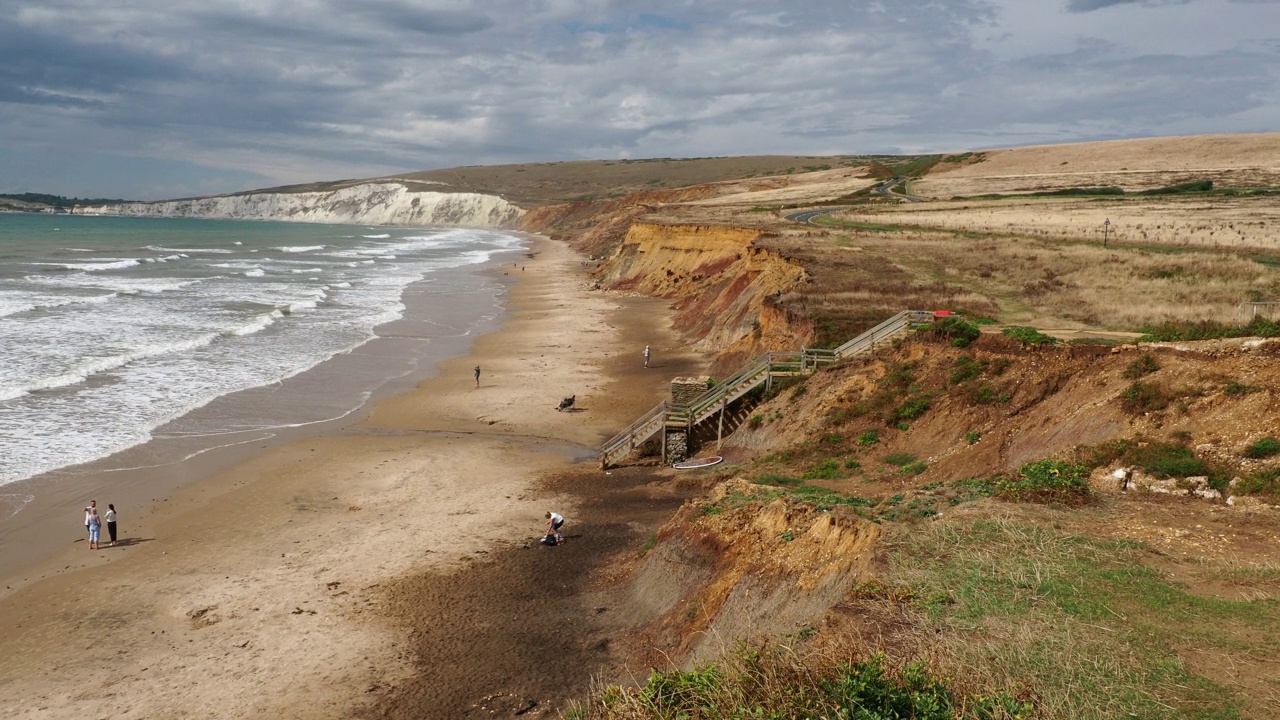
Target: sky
<point x="157" y="99"/>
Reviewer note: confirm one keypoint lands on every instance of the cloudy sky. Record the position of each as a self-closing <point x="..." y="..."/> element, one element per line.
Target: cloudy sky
<point x="149" y="99"/>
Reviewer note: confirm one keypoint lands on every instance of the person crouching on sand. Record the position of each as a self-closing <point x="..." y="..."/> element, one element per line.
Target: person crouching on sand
<point x="554" y="522"/>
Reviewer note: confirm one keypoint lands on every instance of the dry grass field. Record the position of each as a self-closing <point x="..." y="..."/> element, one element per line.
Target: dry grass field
<point x="1032" y="260"/>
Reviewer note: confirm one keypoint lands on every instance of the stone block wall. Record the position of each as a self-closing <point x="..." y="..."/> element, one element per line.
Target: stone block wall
<point x="685" y="390"/>
<point x="677" y="446"/>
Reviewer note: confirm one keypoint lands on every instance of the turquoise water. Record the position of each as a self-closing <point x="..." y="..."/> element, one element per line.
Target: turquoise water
<point x="111" y="328"/>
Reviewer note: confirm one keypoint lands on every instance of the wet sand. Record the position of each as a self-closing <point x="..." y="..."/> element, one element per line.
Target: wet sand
<point x="298" y="582"/>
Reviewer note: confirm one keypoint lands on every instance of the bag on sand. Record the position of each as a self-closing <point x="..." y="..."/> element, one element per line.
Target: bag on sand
<point x="550" y="539"/>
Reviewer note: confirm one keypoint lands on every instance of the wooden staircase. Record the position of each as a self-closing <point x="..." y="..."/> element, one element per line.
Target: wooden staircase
<point x="761" y="371"/>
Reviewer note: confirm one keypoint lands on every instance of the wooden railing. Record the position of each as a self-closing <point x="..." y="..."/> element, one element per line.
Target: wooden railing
<point x="761" y="370"/>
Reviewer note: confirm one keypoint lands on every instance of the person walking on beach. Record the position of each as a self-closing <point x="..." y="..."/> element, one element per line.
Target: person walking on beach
<point x="555" y="521"/>
<point x="95" y="527"/>
<point x="646" y="356"/>
<point x="477" y="376"/>
<point x="111" y="523"/>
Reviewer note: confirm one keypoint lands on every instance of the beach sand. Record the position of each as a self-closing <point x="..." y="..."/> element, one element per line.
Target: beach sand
<point x="362" y="571"/>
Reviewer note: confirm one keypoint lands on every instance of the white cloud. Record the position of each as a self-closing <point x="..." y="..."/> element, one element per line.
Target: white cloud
<point x="294" y="91"/>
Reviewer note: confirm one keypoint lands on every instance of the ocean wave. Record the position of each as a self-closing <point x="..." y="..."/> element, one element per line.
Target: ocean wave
<point x="377" y="237"/>
<point x="124" y="286"/>
<point x="299" y="306"/>
<point x="300" y="248"/>
<point x="254" y="272"/>
<point x="46" y="304"/>
<point x="262" y="322"/>
<point x="98" y="266"/>
<point x="96" y="366"/>
<point x="211" y="251"/>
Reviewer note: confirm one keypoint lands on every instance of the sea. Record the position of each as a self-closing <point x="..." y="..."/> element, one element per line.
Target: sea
<point x="117" y="333"/>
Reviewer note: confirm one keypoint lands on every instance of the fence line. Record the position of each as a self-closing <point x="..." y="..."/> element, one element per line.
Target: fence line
<point x="760" y="371"/>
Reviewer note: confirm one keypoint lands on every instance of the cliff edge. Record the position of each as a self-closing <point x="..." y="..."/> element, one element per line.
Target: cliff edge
<point x="381" y="203"/>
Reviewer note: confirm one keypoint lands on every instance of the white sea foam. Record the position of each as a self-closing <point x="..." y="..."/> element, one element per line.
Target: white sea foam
<point x="97" y="266"/>
<point x="103" y="356"/>
<point x="206" y="251"/>
<point x="96" y="366"/>
<point x="261" y="323"/>
<point x="123" y="285"/>
<point x="377" y="237"/>
<point x="29" y="303"/>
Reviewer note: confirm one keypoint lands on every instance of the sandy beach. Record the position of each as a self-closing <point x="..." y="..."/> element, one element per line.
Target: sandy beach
<point x="299" y="583"/>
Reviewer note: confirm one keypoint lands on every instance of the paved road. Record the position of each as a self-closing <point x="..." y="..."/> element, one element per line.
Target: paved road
<point x="807" y="216"/>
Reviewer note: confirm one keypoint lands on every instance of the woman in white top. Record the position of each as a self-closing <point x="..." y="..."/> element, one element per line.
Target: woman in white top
<point x="111" y="522"/>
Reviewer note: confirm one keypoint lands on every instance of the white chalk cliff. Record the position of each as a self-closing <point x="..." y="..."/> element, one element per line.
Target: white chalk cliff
<point x="375" y="203"/>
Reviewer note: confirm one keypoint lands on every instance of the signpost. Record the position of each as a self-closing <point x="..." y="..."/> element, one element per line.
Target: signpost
<point x="1106" y="228"/>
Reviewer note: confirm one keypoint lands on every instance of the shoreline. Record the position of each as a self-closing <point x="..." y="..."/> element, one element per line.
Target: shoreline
<point x="398" y="358"/>
<point x="257" y="591"/>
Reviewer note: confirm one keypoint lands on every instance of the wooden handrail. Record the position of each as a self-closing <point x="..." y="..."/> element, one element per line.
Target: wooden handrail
<point x="760" y="370"/>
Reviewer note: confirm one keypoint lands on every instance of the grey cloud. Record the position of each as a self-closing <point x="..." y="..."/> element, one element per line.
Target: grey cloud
<point x="407" y="16"/>
<point x="1082" y="6"/>
<point x="354" y="89"/>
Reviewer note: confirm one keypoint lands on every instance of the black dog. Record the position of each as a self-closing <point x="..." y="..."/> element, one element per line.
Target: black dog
<point x="566" y="403"/>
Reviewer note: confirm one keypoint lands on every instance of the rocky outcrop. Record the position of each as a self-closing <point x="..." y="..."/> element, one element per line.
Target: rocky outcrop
<point x="362" y="204"/>
<point x="738" y="566"/>
<point x="721" y="282"/>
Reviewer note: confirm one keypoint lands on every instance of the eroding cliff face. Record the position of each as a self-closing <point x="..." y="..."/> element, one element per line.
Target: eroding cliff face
<point x="363" y="204"/>
<point x="721" y="282"/>
<point x="724" y="570"/>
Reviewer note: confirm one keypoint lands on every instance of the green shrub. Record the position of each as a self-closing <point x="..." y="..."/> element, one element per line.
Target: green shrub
<point x="960" y="332"/>
<point x="825" y="470"/>
<point x="900" y="376"/>
<point x="1264" y="448"/>
<point x="1144" y="397"/>
<point x="768" y="684"/>
<point x="1235" y="388"/>
<point x="852" y="464"/>
<point x="1265" y="483"/>
<point x="909" y="410"/>
<point x="972" y="437"/>
<point x="1144" y="365"/>
<point x="1208" y="330"/>
<point x="1161" y="459"/>
<point x="756" y="421"/>
<point x="914" y="468"/>
<point x="1168" y="460"/>
<point x="1048" y="481"/>
<point x="900" y="459"/>
<point x="983" y="394"/>
<point x="1029" y="335"/>
<point x="868" y="438"/>
<point x="966" y="368"/>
